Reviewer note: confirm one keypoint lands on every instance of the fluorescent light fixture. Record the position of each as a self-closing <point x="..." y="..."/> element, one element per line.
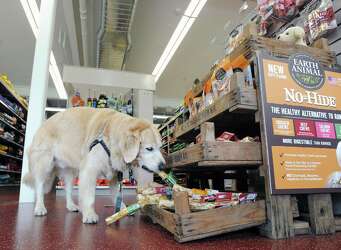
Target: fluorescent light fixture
<point x="52" y="109"/>
<point x="192" y="11"/>
<point x="32" y="13"/>
<point x="160" y="116"/>
<point x="175" y="47"/>
<point x="191" y="7"/>
<point x="198" y="9"/>
<point x="56" y="77"/>
<point x="174" y="37"/>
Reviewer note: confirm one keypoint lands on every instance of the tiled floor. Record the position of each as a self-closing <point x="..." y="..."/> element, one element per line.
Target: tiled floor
<point x="60" y="229"/>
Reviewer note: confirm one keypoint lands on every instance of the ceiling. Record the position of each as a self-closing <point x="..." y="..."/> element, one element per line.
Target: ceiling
<point x="154" y="23"/>
<point x="16" y="43"/>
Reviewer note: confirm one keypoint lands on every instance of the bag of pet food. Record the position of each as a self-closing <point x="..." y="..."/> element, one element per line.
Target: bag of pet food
<point x="321" y="20"/>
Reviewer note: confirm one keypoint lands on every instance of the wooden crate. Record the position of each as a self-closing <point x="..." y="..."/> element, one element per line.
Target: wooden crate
<point x="337" y="223"/>
<point x="217" y="154"/>
<point x="250" y="42"/>
<point x="188" y="226"/>
<point x="238" y="100"/>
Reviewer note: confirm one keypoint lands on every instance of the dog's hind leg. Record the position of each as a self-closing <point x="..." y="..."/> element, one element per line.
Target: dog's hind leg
<point x="42" y="169"/>
<point x="68" y="180"/>
<point x="40" y="209"/>
<point x="87" y="189"/>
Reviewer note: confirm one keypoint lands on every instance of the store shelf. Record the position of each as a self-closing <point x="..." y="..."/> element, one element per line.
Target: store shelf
<point x="4" y="106"/>
<point x="98" y="187"/>
<point x="12" y="94"/>
<point x="170" y="121"/>
<point x="11" y="156"/>
<point x="9" y="185"/>
<point x="221" y="154"/>
<point x="76" y="187"/>
<point x="10" y="171"/>
<point x="12" y="127"/>
<point x="11" y="142"/>
<point x="237" y="101"/>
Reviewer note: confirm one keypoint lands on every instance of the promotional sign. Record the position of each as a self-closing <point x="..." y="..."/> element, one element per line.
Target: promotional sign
<point x="301" y="105"/>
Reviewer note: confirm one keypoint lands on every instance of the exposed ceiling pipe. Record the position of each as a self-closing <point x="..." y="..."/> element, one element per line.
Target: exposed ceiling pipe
<point x="113" y="37"/>
<point x="129" y="34"/>
<point x="100" y="32"/>
<point x="84" y="27"/>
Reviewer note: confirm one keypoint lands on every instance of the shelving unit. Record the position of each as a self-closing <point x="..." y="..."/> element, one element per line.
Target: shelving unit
<point x="11" y="105"/>
<point x="10" y="171"/>
<point x="239" y="112"/>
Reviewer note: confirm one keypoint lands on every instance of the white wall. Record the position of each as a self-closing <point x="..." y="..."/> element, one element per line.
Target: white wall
<point x="167" y="102"/>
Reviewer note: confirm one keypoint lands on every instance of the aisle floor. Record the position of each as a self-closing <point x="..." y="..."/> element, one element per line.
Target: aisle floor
<point x="60" y="229"/>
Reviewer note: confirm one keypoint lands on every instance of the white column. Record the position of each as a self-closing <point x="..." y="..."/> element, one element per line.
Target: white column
<point x="143" y="108"/>
<point x="39" y="84"/>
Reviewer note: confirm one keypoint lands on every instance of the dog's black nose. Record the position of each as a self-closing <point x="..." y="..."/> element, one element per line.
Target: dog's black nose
<point x="162" y="166"/>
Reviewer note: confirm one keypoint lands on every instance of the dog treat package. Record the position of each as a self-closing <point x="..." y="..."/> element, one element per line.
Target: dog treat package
<point x="265" y="10"/>
<point x="320" y="21"/>
<point x="130" y="210"/>
<point x="221" y="82"/>
<point x="157" y="190"/>
<point x="227" y="137"/>
<point x="233" y="39"/>
<point x="285" y="8"/>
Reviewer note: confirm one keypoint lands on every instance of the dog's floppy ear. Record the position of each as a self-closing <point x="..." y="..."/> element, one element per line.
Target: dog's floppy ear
<point x="130" y="146"/>
<point x="299" y="32"/>
<point x="130" y="142"/>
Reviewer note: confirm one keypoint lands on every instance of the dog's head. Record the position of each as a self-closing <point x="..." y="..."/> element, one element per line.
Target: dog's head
<point x="142" y="141"/>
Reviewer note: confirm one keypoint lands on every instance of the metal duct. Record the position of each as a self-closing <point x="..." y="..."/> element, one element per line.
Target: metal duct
<point x="84" y="27"/>
<point x="113" y="36"/>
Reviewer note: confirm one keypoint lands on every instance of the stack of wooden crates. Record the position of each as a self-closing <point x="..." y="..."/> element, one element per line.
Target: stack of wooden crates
<point x="239" y="112"/>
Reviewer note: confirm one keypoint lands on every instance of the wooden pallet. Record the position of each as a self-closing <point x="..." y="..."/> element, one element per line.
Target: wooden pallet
<point x="250" y="42"/>
<point x="238" y="100"/>
<point x="189" y="226"/>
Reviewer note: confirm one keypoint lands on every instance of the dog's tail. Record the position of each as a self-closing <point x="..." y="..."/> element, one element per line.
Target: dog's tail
<point x="48" y="183"/>
<point x="29" y="180"/>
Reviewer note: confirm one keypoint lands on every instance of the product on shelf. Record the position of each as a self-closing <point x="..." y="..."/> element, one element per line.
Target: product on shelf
<point x="265" y="10"/>
<point x="227" y="137"/>
<point x="5" y="178"/>
<point x="285" y="8"/>
<point x="221" y="78"/>
<point x="94" y="102"/>
<point x="273" y="11"/>
<point x="9" y="85"/>
<point x="320" y="21"/>
<point x="14" y="107"/>
<point x="234" y="39"/>
<point x="102" y="101"/>
<point x="76" y="100"/>
<point x="294" y="35"/>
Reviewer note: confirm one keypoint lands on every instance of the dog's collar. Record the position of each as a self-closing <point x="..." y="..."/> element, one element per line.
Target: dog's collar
<point x="99" y="140"/>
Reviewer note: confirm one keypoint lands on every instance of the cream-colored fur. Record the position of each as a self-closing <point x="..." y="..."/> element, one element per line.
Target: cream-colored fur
<point x="61" y="147"/>
<point x="293" y="35"/>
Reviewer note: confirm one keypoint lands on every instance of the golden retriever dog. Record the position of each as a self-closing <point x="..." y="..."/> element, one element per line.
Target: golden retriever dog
<point x="62" y="146"/>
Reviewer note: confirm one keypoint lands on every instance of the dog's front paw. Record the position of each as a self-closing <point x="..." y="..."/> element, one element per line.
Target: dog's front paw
<point x="72" y="207"/>
<point x="90" y="217"/>
<point x="40" y="211"/>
